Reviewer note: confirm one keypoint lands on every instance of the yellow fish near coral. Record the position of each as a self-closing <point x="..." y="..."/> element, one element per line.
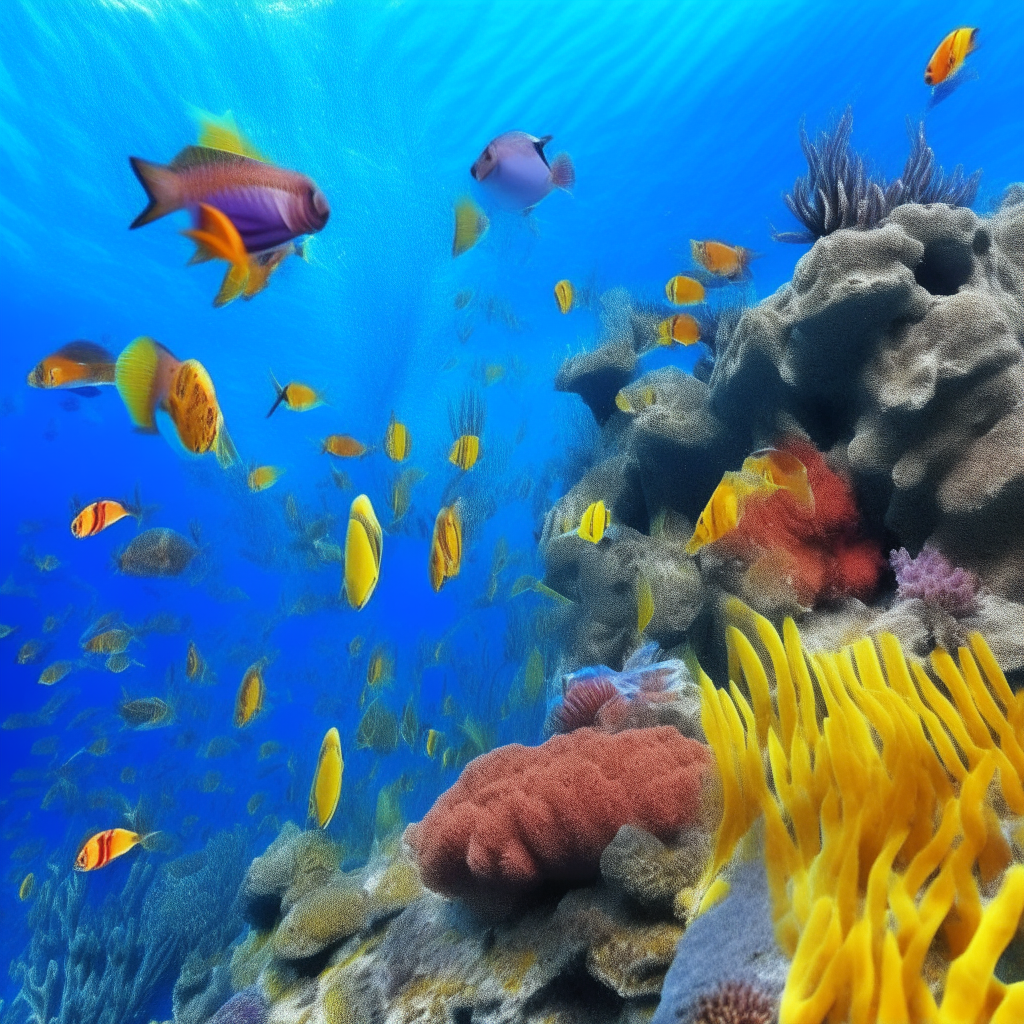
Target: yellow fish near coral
<point x="470" y="224"/>
<point x="682" y="291"/>
<point x="564" y="295"/>
<point x="763" y="472"/>
<point x="720" y="260"/>
<point x="262" y="477"/>
<point x="433" y="738"/>
<point x="594" y="522"/>
<point x="364" y="542"/>
<point x="150" y="378"/>
<point x="326" y="789"/>
<point x="632" y="400"/>
<point x="251" y="693"/>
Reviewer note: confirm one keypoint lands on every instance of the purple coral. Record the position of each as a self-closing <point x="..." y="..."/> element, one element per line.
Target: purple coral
<point x="248" y="1007"/>
<point x="735" y="1002"/>
<point x="935" y="580"/>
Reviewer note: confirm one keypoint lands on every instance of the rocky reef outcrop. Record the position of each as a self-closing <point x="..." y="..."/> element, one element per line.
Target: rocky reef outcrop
<point x="899" y="353"/>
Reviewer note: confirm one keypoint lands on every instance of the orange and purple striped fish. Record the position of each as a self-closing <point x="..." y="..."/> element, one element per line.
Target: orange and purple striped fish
<point x="104" y="847"/>
<point x="101" y="514"/>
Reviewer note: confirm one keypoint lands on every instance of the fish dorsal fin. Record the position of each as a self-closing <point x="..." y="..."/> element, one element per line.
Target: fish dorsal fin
<point x="85" y="352"/>
<point x="222" y="133"/>
<point x="198" y="156"/>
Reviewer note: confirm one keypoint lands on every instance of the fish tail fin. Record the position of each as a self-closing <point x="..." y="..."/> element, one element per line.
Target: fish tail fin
<point x="204" y="253"/>
<point x="563" y="174"/>
<point x="162" y="189"/>
<point x="146" y="841"/>
<point x="233" y="284"/>
<point x="224" y="447"/>
<point x="280" y="391"/>
<point x="258" y="279"/>
<point x="135" y="376"/>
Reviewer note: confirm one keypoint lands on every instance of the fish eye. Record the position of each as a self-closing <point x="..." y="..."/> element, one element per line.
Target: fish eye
<point x="319" y="202"/>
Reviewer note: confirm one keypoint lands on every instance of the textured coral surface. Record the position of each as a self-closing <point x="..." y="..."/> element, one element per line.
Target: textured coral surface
<point x="519" y="816"/>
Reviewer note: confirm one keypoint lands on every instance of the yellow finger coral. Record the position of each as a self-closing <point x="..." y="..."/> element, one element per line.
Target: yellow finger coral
<point x="881" y="787"/>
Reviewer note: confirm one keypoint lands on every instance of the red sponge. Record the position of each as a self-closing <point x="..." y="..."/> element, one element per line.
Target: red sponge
<point x="519" y="816"/>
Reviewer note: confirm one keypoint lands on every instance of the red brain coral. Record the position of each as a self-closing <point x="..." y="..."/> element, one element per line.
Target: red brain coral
<point x="822" y="552"/>
<point x="519" y="816"/>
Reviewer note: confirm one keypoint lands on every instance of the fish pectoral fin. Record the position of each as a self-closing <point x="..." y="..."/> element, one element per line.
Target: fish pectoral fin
<point x="233" y="284"/>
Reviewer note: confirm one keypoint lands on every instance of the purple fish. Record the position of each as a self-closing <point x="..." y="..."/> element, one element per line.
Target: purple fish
<point x="268" y="206"/>
<point x="515" y="165"/>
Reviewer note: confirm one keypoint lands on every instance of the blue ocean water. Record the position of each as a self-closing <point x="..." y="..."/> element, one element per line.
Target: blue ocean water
<point x="681" y="119"/>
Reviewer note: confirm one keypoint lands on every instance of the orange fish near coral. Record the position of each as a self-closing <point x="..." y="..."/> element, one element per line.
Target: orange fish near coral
<point x="104" y="847"/>
<point x="101" y="514"/>
<point x="681" y="291"/>
<point x="79" y="365"/>
<point x="682" y="329"/>
<point x="950" y="54"/>
<point x="721" y="260"/>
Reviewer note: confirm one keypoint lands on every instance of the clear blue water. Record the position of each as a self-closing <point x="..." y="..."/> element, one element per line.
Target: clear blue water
<point x="681" y="119"/>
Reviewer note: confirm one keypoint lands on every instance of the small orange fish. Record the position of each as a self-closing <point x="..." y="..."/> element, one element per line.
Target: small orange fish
<point x="728" y="261"/>
<point x="343" y="446"/>
<point x="950" y="54"/>
<point x="101" y="514"/>
<point x="681" y="291"/>
<point x="682" y="329"/>
<point x="78" y="364"/>
<point x="106" y="846"/>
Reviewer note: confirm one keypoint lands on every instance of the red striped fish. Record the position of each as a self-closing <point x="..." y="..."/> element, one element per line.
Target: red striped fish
<point x="100" y="514"/>
<point x="104" y="847"/>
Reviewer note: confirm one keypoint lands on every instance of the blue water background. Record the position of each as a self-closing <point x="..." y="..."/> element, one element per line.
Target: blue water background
<point x="681" y="119"/>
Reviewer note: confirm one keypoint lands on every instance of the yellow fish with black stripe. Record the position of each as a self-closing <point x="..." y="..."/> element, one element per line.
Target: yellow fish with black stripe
<point x="565" y="296"/>
<point x="149" y="378"/>
<point x="364" y="542"/>
<point x="594" y="522"/>
<point x="445" y="559"/>
<point x="466" y="421"/>
<point x="397" y="440"/>
<point x="295" y="396"/>
<point x="326" y="789"/>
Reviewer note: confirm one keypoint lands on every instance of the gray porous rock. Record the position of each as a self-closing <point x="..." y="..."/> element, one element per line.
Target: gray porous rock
<point x="905" y="344"/>
<point x="598" y="376"/>
<point x="268" y="878"/>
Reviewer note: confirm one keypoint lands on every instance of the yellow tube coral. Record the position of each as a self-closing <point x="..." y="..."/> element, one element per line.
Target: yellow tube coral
<point x="881" y="820"/>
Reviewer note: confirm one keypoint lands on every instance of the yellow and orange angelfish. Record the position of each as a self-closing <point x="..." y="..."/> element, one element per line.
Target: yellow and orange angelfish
<point x="681" y="329"/>
<point x="295" y="396"/>
<point x="682" y="291"/>
<point x="730" y="262"/>
<point x="364" y="544"/>
<point x="950" y="54"/>
<point x="100" y="849"/>
<point x="79" y="364"/>
<point x="150" y="378"/>
<point x="445" y="560"/>
<point x="98" y="515"/>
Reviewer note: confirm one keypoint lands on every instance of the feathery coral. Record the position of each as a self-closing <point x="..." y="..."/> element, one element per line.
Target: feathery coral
<point x="935" y="580"/>
<point x="880" y="828"/>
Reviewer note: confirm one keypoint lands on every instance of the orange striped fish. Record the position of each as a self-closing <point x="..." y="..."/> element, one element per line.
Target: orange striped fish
<point x="101" y="514"/>
<point x="950" y="54"/>
<point x="104" y="847"/>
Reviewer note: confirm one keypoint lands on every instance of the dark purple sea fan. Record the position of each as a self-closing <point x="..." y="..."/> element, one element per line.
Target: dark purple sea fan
<point x="932" y="578"/>
<point x="841" y="191"/>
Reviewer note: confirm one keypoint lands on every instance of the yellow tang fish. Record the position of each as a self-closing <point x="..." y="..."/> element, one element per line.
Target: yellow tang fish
<point x="433" y="738"/>
<point x="251" y="693"/>
<point x="55" y="672"/>
<point x="27" y="887"/>
<point x="364" y="542"/>
<point x="295" y="396"/>
<point x="262" y="477"/>
<point x="564" y="295"/>
<point x="470" y="224"/>
<point x="445" y="560"/>
<point x="682" y="329"/>
<point x="397" y="442"/>
<point x="594" y="522"/>
<point x="149" y="377"/>
<point x="644" y="603"/>
<point x="681" y="291"/>
<point x="632" y="401"/>
<point x="465" y="451"/>
<point x="102" y="848"/>
<point x="326" y="788"/>
<point x="781" y="469"/>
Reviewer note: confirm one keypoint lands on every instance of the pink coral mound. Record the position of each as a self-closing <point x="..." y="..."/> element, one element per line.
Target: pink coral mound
<point x="932" y="578"/>
<point x="520" y="816"/>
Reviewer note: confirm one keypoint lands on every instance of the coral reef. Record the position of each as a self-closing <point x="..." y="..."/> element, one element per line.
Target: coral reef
<point x="894" y="351"/>
<point x="931" y="578"/>
<point x="247" y="1007"/>
<point x="515" y="818"/>
<point x="598" y="376"/>
<point x="874" y="847"/>
<point x="840" y="190"/>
